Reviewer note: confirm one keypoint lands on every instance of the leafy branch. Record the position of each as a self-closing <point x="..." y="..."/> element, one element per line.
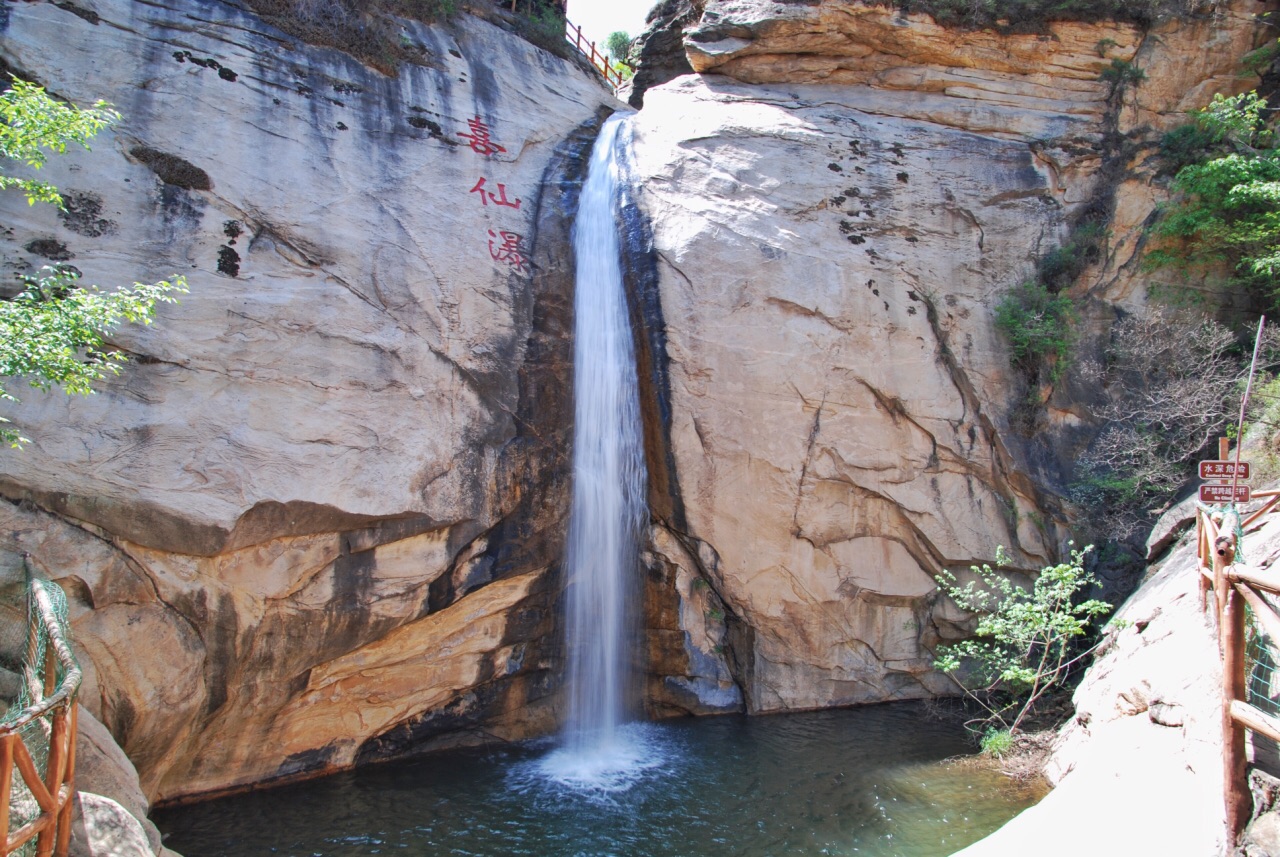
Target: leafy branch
<point x="31" y="122"/>
<point x="1027" y="639"/>
<point x="53" y="333"/>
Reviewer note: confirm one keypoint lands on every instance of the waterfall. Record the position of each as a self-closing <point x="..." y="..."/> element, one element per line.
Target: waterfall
<point x="608" y="512"/>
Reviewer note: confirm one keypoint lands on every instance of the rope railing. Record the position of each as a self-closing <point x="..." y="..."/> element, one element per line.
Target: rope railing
<point x="573" y="33"/>
<point x="38" y="734"/>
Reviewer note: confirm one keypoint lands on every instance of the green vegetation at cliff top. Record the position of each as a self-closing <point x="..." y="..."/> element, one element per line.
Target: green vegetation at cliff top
<point x="368" y="30"/>
<point x="1032" y="15"/>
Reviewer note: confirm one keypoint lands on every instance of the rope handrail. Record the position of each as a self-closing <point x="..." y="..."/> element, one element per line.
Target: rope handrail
<point x="38" y="735"/>
<point x="70" y="685"/>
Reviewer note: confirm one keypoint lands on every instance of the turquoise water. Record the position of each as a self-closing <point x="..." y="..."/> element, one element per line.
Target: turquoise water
<point x="867" y="781"/>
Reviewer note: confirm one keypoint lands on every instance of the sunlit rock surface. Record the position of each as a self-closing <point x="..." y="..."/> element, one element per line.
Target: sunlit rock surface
<point x="330" y="487"/>
<point x="839" y="202"/>
<point x="1142" y="757"/>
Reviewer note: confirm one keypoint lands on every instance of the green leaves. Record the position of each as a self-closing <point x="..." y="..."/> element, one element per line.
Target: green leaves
<point x="618" y="44"/>
<point x="31" y="122"/>
<point x="1026" y="639"/>
<point x="1228" y="207"/>
<point x="52" y="333"/>
<point x="1039" y="326"/>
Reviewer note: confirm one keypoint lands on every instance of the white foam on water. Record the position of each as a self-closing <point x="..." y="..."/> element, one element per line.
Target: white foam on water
<point x="634" y="752"/>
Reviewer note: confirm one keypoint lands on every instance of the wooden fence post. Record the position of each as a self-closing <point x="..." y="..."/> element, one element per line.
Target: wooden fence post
<point x="6" y="786"/>
<point x="1234" y="769"/>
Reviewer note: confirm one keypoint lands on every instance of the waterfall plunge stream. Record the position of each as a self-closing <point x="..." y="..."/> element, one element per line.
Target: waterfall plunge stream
<point x="862" y="781"/>
<point x="608" y="512"/>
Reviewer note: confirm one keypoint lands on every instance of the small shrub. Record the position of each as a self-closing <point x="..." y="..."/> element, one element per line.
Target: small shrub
<point x="1027" y="639"/>
<point x="1122" y="72"/>
<point x="996" y="742"/>
<point x="542" y="24"/>
<point x="1039" y="326"/>
<point x="1059" y="268"/>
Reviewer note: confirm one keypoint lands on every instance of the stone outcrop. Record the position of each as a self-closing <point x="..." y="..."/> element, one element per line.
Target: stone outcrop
<point x="659" y="50"/>
<point x="1142" y="757"/>
<point x="104" y="771"/>
<point x="317" y="518"/>
<point x="839" y="201"/>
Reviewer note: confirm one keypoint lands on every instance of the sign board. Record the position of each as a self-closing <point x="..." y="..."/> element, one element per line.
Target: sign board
<point x="1222" y="494"/>
<point x="1218" y="471"/>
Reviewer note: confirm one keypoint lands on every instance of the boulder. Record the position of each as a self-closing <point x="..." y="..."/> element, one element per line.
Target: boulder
<point x="103" y="770"/>
<point x="103" y="828"/>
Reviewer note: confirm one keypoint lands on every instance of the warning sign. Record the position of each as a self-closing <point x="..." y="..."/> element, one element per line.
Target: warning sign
<point x="1217" y="471"/>
<point x="1222" y="494"/>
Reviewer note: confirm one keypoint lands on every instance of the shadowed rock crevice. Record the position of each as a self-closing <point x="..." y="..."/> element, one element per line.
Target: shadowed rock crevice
<point x="536" y="469"/>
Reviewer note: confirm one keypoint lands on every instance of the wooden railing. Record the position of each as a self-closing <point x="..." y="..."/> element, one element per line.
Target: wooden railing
<point x="573" y="33"/>
<point x="1233" y="586"/>
<point x="50" y="713"/>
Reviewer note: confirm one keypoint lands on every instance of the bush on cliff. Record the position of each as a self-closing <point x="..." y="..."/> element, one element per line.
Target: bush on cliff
<point x="368" y="31"/>
<point x="1227" y="211"/>
<point x="52" y="334"/>
<point x="1169" y="383"/>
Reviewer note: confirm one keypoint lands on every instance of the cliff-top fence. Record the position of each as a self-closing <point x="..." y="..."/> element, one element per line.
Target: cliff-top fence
<point x="588" y="49"/>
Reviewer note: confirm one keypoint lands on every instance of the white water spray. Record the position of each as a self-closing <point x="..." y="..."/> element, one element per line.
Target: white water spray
<point x="609" y="510"/>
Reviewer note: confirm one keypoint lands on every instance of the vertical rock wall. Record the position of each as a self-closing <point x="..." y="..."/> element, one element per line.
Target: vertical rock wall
<point x="317" y="518"/>
<point x="840" y="197"/>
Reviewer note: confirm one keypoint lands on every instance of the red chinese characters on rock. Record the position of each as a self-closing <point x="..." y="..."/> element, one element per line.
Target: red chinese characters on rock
<point x="504" y="246"/>
<point x="479" y="139"/>
<point x="510" y="251"/>
<point x="499" y="198"/>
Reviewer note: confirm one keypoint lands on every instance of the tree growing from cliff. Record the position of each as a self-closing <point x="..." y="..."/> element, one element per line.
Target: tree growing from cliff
<point x="1227" y="210"/>
<point x="53" y="333"/>
<point x="1027" y="639"/>
<point x="1169" y="383"/>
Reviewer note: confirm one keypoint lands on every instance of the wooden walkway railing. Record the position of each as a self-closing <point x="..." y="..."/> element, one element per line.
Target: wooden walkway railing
<point x="50" y="713"/>
<point x="573" y="33"/>
<point x="1233" y="586"/>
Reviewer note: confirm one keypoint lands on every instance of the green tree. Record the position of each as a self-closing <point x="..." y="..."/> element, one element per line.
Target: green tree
<point x="53" y="333"/>
<point x="1227" y="210"/>
<point x="1039" y="325"/>
<point x="1026" y="641"/>
<point x="618" y="43"/>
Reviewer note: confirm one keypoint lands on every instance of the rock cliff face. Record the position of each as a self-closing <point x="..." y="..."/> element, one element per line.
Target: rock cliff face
<point x="318" y="517"/>
<point x="840" y="198"/>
